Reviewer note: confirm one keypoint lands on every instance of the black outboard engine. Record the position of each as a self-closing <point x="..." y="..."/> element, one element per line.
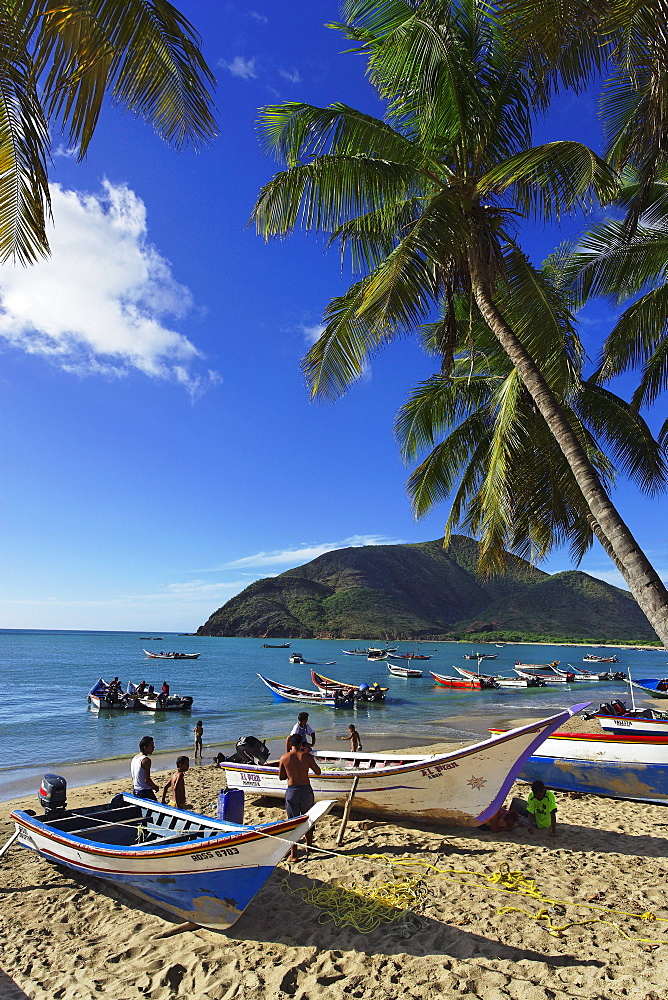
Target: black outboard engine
<point x="53" y="794"/>
<point x="250" y="750"/>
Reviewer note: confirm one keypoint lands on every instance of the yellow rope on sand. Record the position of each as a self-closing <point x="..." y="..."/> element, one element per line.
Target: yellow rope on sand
<point x="366" y="906"/>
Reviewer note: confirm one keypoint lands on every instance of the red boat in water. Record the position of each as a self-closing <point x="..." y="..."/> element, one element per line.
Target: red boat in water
<point x="463" y="683"/>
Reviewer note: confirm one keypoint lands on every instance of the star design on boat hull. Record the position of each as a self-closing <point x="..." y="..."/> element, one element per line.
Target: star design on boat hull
<point x="476" y="782"/>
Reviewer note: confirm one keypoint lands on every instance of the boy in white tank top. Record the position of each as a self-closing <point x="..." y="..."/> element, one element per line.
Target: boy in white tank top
<point x="143" y="785"/>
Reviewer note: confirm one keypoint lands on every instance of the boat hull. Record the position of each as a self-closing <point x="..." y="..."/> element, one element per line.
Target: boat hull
<point x="209" y="881"/>
<point x="631" y="724"/>
<point x="615" y="779"/>
<point x="464" y="787"/>
<point x="398" y="671"/>
<point x="649" y="686"/>
<point x="621" y="767"/>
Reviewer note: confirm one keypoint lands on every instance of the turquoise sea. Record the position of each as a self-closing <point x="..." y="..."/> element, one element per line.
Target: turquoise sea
<point x="45" y="677"/>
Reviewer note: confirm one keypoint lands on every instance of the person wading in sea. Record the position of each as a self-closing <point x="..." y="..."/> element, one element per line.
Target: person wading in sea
<point x="302" y="729"/>
<point x="295" y="766"/>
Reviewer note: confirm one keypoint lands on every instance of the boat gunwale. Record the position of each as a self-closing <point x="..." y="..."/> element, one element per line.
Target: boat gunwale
<point x="153" y="850"/>
<point x="621" y="738"/>
<point x="429" y="760"/>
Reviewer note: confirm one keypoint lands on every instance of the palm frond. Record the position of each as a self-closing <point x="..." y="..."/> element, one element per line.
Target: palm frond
<point x="24" y="145"/>
<point x="330" y="191"/>
<point x="551" y="179"/>
<point x="144" y="52"/>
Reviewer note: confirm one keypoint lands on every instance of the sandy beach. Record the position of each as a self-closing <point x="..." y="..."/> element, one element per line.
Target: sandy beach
<point x="73" y="938"/>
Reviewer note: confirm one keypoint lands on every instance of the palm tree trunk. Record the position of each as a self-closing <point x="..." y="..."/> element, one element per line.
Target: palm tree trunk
<point x="642" y="579"/>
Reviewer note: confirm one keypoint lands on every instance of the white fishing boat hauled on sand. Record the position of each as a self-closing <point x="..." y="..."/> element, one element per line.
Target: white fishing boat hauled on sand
<point x="193" y="867"/>
<point x="465" y="787"/>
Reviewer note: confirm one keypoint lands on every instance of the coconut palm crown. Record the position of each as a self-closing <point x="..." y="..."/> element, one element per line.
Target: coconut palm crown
<point x="59" y="60"/>
<point x="424" y="204"/>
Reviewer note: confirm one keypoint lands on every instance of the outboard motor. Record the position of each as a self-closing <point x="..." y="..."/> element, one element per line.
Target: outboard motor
<point x="250" y="750"/>
<point x="53" y="794"/>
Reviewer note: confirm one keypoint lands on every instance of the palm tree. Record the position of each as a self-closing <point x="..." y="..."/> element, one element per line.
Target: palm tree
<point x="624" y="266"/>
<point x="491" y="449"/>
<point x="572" y="42"/>
<point x="424" y="203"/>
<point x="59" y="59"/>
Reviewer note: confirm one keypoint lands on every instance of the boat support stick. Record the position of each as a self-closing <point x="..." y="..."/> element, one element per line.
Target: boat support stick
<point x="633" y="698"/>
<point x="346" y="811"/>
<point x="5" y="847"/>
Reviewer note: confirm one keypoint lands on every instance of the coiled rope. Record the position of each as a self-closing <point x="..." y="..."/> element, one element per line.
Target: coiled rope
<point x="366" y="906"/>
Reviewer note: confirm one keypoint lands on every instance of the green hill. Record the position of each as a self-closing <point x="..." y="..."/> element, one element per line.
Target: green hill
<point x="422" y="591"/>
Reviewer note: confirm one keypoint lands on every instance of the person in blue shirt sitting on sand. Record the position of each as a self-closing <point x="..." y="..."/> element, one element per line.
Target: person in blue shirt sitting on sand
<point x="542" y="808"/>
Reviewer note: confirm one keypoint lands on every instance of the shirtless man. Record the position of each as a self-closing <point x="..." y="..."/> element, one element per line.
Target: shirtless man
<point x="295" y="766"/>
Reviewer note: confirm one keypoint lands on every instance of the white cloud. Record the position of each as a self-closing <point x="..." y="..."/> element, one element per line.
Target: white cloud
<point x="244" y="68"/>
<point x="291" y="75"/>
<point x="303" y="554"/>
<point x="260" y="18"/>
<point x="68" y="152"/>
<point x="312" y="333"/>
<point x="97" y="305"/>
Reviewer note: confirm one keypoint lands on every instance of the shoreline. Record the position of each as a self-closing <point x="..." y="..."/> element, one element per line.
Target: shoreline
<point x="24" y="781"/>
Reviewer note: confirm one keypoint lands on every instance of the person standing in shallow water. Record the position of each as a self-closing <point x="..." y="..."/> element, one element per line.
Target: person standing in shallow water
<point x="199" y="732"/>
<point x="143" y="785"/>
<point x="302" y="728"/>
<point x="355" y="739"/>
<point x="295" y="766"/>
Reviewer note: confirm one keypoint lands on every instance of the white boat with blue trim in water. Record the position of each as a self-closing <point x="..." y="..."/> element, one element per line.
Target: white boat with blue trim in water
<point x="199" y="869"/>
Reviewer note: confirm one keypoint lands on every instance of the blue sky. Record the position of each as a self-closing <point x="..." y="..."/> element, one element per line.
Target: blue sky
<point x="159" y="451"/>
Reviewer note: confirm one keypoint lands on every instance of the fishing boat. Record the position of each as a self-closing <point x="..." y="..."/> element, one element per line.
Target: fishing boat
<point x="155" y="701"/>
<point x="193" y="867"/>
<point x="101" y="697"/>
<point x="615" y="717"/>
<point x="473" y="683"/>
<point x="480" y="656"/>
<point x="298" y="658"/>
<point x="377" y="656"/>
<point x="363" y="692"/>
<point x="545" y="671"/>
<point x="286" y="692"/>
<point x="282" y="645"/>
<point x="355" y="652"/>
<point x="573" y="675"/>
<point x="653" y="686"/>
<point x="398" y="671"/>
<point x="591" y="658"/>
<point x="500" y="681"/>
<point x="465" y="786"/>
<point x="410" y="656"/>
<point x="172" y="656"/>
<point x="620" y="765"/>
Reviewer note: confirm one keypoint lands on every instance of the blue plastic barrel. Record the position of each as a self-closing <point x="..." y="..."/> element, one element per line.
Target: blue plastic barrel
<point x="231" y="806"/>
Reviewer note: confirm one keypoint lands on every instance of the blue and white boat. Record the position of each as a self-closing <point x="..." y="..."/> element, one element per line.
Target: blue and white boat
<point x="657" y="687"/>
<point x="619" y="765"/>
<point x="199" y="869"/>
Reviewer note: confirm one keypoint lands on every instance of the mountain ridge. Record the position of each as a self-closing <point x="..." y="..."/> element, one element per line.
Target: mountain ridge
<point x="423" y="591"/>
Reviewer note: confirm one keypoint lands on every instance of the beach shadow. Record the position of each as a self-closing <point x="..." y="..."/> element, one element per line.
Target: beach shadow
<point x="9" y="989"/>
<point x="427" y="936"/>
<point x="570" y="836"/>
<point x="573" y="837"/>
